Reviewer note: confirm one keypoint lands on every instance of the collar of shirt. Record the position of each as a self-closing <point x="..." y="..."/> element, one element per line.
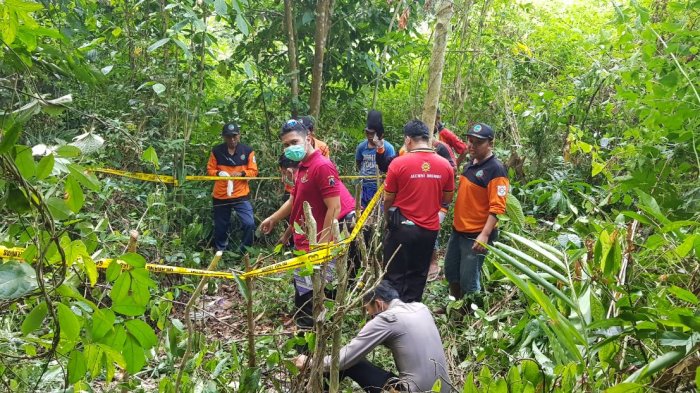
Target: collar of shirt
<point x="473" y="165"/>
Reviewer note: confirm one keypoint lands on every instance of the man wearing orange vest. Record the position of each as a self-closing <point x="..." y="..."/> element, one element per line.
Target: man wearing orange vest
<point x="481" y="196"/>
<point x="232" y="159"/>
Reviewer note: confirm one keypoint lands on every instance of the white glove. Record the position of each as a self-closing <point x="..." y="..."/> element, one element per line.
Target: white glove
<point x="223" y="174"/>
<point x="229" y="188"/>
<point x="441" y="216"/>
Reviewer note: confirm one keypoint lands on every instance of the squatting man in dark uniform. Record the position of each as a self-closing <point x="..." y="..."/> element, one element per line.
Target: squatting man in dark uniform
<point x="409" y="331"/>
<point x="232" y="159"/>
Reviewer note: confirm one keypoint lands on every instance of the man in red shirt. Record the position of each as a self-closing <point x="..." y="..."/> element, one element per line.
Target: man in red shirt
<point x="483" y="189"/>
<point x="317" y="182"/>
<point x="232" y="158"/>
<point x="417" y="184"/>
<point x="450" y="139"/>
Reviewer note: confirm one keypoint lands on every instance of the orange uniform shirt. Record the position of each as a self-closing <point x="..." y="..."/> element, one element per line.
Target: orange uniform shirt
<point x="321" y="146"/>
<point x="482" y="191"/>
<point x="243" y="159"/>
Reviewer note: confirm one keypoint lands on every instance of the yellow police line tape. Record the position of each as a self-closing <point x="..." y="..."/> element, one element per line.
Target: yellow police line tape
<point x="326" y="253"/>
<point x="167" y="179"/>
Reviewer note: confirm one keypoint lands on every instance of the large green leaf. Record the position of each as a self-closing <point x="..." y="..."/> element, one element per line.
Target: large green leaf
<point x="43" y="170"/>
<point x="133" y="355"/>
<point x="35" y="318"/>
<point x="77" y="366"/>
<point x="102" y="321"/>
<point x="533" y="261"/>
<point x="10" y="134"/>
<point x="142" y="332"/>
<point x="16" y="280"/>
<point x="662" y="362"/>
<point x="25" y="162"/>
<point x="532" y="275"/>
<point x="69" y="323"/>
<point x="74" y="194"/>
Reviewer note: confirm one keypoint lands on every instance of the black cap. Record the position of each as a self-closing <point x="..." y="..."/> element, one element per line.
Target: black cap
<point x="230" y="129"/>
<point x="308" y="121"/>
<point x="374" y="122"/>
<point x="416" y="128"/>
<point x="481" y="131"/>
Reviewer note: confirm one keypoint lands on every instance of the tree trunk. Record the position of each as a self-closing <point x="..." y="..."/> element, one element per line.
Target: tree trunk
<point x="437" y="63"/>
<point x="323" y="23"/>
<point x="292" y="53"/>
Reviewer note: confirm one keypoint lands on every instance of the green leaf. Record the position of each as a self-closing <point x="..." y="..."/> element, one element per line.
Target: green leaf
<point x="58" y="208"/>
<point x="150" y="155"/>
<point x="25" y="162"/>
<point x="662" y="362"/>
<point x="133" y="259"/>
<point x="68" y="151"/>
<point x="532" y="275"/>
<point x="514" y="210"/>
<point x="626" y="388"/>
<point x="133" y="355"/>
<point x="220" y="7"/>
<point x="158" y="44"/>
<point x="87" y="179"/>
<point x="684" y="295"/>
<point x="68" y="322"/>
<point x="129" y="296"/>
<point x="437" y="386"/>
<point x="17" y="200"/>
<point x="34" y="319"/>
<point x="16" y="280"/>
<point x="43" y="170"/>
<point x="113" y="271"/>
<point x="74" y="194"/>
<point x="77" y="366"/>
<point x="142" y="332"/>
<point x="637" y="216"/>
<point x="10" y="136"/>
<point x="102" y="322"/>
<point x="242" y="24"/>
<point x="159" y="88"/>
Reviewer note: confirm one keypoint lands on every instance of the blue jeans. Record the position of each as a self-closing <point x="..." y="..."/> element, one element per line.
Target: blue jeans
<point x="462" y="265"/>
<point x="222" y="222"/>
<point x="369" y="188"/>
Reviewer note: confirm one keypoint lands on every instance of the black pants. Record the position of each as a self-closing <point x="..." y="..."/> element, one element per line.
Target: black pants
<point x="408" y="271"/>
<point x="370" y="377"/>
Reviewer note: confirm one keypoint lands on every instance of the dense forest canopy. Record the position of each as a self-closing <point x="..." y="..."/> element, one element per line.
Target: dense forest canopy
<point x="593" y="285"/>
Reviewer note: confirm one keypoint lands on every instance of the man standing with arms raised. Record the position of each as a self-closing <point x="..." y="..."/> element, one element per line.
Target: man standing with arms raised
<point x="232" y="159"/>
<point x="417" y="185"/>
<point x="317" y="183"/>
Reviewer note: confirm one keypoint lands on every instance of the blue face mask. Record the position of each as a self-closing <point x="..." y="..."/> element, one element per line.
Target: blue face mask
<point x="295" y="152"/>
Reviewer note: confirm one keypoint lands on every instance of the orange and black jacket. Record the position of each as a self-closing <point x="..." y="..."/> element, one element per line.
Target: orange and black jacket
<point x="243" y="159"/>
<point x="482" y="191"/>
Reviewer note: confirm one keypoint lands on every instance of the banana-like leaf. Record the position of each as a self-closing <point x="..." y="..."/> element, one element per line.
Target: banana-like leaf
<point x="662" y="362"/>
<point x="540" y="248"/>
<point x="533" y="261"/>
<point x="565" y="331"/>
<point x="532" y="275"/>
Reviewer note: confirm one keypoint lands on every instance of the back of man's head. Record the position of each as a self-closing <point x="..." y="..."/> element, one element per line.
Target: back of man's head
<point x="416" y="130"/>
<point x="384" y="291"/>
<point x="308" y="121"/>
